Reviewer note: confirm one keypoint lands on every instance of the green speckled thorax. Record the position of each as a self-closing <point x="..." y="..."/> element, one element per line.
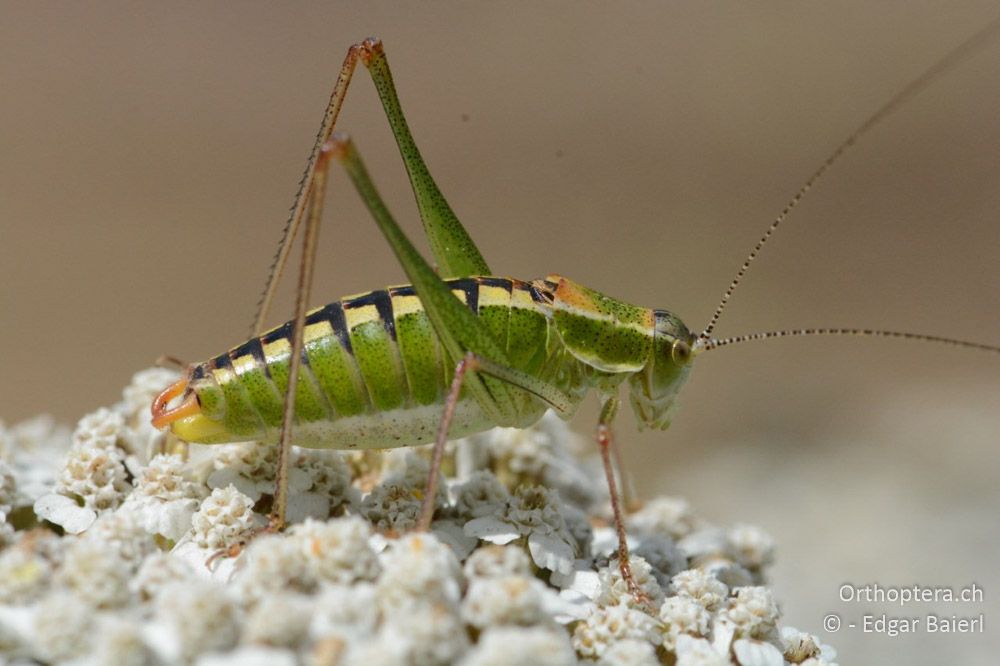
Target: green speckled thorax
<point x="374" y="373"/>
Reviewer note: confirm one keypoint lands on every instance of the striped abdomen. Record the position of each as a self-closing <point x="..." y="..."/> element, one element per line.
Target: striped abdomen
<point x="374" y="373"/>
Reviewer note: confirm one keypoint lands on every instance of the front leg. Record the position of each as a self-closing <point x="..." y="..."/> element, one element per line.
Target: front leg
<point x="604" y="442"/>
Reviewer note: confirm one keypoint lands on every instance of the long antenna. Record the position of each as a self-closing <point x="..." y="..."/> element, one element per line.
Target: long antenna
<point x="713" y="343"/>
<point x="960" y="53"/>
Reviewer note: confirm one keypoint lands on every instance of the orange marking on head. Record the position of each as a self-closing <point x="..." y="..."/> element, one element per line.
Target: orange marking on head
<point x="162" y="417"/>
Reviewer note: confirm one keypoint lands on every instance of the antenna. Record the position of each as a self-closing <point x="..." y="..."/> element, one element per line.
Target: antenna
<point x="713" y="343"/>
<point x="954" y="57"/>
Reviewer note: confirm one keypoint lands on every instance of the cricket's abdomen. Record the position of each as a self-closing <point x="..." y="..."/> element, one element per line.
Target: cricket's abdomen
<point x="374" y="373"/>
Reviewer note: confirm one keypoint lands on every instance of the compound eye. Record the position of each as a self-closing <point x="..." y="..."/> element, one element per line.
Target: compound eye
<point x="680" y="351"/>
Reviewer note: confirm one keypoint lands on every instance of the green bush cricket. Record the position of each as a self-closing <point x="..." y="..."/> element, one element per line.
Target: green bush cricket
<point x="459" y="350"/>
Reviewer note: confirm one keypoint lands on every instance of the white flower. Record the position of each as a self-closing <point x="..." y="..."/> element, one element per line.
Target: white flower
<point x="393" y="508"/>
<point x="272" y="563"/>
<point x="480" y="494"/>
<point x="670" y="516"/>
<point x="683" y="615"/>
<point x="493" y="561"/>
<point x="103" y="429"/>
<point x="384" y="650"/>
<point x="470" y="455"/>
<point x="451" y="532"/>
<point x="757" y="653"/>
<point x="279" y="620"/>
<point x="504" y="600"/>
<point x="156" y="572"/>
<point x="580" y="528"/>
<point x="418" y="566"/>
<point x="429" y="631"/>
<point x="804" y="648"/>
<point x="406" y="467"/>
<point x="539" y="454"/>
<point x="319" y="484"/>
<point x="15" y="632"/>
<point x="707" y="543"/>
<point x="753" y="613"/>
<point x="395" y="504"/>
<point x="521" y="450"/>
<point x="579" y="589"/>
<point x="95" y="472"/>
<point x="8" y="489"/>
<point x="614" y="589"/>
<point x="123" y="531"/>
<point x="165" y="478"/>
<point x="693" y="651"/>
<point x="754" y="547"/>
<point x="605" y="540"/>
<point x="224" y="519"/>
<point x="169" y="519"/>
<point x="532" y="513"/>
<point x="569" y="470"/>
<point x="520" y="646"/>
<point x="62" y="627"/>
<point x="64" y="512"/>
<point x="609" y="624"/>
<point x="96" y="572"/>
<point x="34" y="449"/>
<point x="727" y="571"/>
<point x="820" y="661"/>
<point x="799" y="645"/>
<point x="250" y="467"/>
<point x="663" y="555"/>
<point x="251" y="655"/>
<point x="348" y="613"/>
<point x="703" y="588"/>
<point x="336" y="551"/>
<point x="37" y="433"/>
<point x="24" y="574"/>
<point x="198" y="617"/>
<point x="7" y="534"/>
<point x="325" y="474"/>
<point x="349" y="590"/>
<point x="630" y="652"/>
<point x="365" y="466"/>
<point x="118" y="640"/>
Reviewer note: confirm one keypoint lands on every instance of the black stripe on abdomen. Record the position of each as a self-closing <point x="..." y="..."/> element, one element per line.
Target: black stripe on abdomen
<point x="333" y="314"/>
<point x="383" y="305"/>
<point x="252" y="347"/>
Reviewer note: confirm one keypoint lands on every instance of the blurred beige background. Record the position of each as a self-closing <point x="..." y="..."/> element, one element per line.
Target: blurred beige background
<point x="149" y="152"/>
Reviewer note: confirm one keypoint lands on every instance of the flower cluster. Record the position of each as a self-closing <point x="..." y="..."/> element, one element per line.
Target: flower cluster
<point x="119" y="546"/>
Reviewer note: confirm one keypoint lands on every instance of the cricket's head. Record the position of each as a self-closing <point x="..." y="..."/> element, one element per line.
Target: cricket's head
<point x="199" y="416"/>
<point x="654" y="388"/>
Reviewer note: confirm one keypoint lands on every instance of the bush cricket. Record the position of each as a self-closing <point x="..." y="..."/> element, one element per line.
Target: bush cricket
<point x="460" y="349"/>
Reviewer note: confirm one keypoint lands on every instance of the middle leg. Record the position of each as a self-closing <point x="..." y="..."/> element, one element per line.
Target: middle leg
<point x="473" y="363"/>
